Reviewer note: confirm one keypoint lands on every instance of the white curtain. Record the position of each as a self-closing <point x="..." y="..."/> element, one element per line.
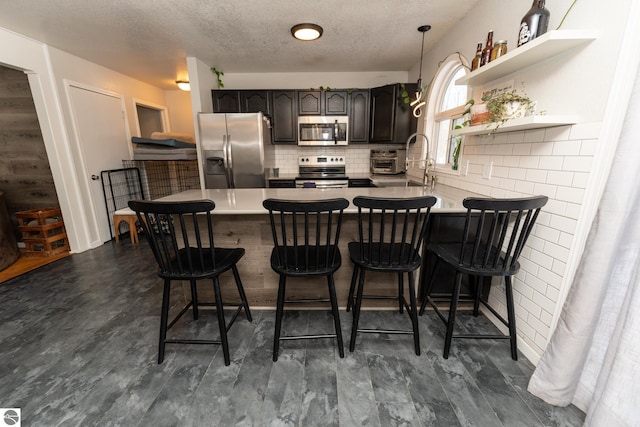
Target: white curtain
<point x="593" y="357"/>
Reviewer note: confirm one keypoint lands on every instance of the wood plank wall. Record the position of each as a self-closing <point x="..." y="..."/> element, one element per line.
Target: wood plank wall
<point x="25" y="175"/>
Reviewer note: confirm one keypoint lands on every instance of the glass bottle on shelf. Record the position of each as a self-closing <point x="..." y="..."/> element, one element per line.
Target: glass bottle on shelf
<point x="475" y="62"/>
<point x="534" y="23"/>
<point x="486" y="52"/>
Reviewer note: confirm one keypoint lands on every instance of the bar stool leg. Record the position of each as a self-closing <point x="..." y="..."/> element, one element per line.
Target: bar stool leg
<point x="414" y="313"/>
<point x="354" y="278"/>
<point x="336" y="314"/>
<point x="164" y="316"/>
<point x="400" y="293"/>
<point x="356" y="311"/>
<point x="452" y="315"/>
<point x="511" y="315"/>
<point x="221" y="321"/>
<point x="243" y="296"/>
<point x="279" y="313"/>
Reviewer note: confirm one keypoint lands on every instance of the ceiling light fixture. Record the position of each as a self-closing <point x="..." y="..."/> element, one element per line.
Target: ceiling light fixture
<point x="306" y="32"/>
<point x="418" y="103"/>
<point x="183" y="85"/>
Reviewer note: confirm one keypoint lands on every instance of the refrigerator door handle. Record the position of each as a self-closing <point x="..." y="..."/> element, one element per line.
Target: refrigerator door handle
<point x="230" y="162"/>
<point x="226" y="160"/>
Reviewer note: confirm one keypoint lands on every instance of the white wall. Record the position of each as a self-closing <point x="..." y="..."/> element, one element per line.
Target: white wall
<point x="558" y="162"/>
<point x="22" y="53"/>
<point x="47" y="69"/>
<point x="180" y="114"/>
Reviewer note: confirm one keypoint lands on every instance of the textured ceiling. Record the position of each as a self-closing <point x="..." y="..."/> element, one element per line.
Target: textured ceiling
<point x="150" y="39"/>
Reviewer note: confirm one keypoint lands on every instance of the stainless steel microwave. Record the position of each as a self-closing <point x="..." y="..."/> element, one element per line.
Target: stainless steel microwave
<point x="323" y="130"/>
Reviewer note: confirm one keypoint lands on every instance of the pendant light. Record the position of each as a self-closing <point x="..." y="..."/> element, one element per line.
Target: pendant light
<point x="418" y="103"/>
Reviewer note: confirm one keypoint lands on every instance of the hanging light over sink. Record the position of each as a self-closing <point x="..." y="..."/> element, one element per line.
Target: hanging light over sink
<point x="419" y="102"/>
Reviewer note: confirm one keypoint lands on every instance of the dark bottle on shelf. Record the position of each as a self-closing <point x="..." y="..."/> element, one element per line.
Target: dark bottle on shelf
<point x="486" y="52"/>
<point x="534" y="23"/>
<point x="475" y="62"/>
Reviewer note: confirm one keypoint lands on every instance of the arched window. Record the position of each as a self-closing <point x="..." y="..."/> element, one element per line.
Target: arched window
<point x="445" y="107"/>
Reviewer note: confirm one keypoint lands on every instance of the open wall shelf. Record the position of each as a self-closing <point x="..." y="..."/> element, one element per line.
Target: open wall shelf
<point x="549" y="44"/>
<point x="520" y="123"/>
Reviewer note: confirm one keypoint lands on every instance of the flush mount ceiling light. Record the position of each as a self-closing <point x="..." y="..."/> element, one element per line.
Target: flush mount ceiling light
<point x="306" y="32"/>
<point x="418" y="103"/>
<point x="183" y="85"/>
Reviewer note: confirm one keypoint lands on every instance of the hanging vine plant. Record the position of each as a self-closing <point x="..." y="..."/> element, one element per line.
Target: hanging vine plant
<point x="219" y="75"/>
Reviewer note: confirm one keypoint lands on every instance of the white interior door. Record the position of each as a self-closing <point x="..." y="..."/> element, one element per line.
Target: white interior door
<point x="103" y="136"/>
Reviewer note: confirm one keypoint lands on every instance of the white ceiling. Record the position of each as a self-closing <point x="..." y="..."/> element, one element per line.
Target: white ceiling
<point x="150" y="39"/>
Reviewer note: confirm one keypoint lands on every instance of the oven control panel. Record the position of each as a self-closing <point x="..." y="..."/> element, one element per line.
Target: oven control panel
<point x="321" y="161"/>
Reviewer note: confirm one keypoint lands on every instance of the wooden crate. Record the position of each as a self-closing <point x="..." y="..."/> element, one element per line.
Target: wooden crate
<point x="43" y="232"/>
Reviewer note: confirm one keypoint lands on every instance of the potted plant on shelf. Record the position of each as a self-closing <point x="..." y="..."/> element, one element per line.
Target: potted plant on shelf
<point x="504" y="106"/>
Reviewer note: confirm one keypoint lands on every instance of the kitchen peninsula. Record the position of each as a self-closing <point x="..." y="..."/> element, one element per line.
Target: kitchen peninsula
<point x="241" y="221"/>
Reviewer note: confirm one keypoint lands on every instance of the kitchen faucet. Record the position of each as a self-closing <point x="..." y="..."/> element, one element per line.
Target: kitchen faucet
<point x="427" y="179"/>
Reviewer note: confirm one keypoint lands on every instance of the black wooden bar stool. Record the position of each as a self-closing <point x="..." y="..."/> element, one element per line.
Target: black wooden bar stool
<point x="494" y="235"/>
<point x="390" y="236"/>
<point x="184" y="250"/>
<point x="305" y="236"/>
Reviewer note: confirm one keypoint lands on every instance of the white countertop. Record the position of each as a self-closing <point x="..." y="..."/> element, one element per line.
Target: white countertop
<point x="240" y="201"/>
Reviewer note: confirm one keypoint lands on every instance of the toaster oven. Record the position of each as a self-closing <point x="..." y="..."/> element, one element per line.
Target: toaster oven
<point x="388" y="162"/>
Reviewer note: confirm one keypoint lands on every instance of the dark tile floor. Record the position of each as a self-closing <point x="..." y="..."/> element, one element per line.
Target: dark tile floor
<point x="78" y="347"/>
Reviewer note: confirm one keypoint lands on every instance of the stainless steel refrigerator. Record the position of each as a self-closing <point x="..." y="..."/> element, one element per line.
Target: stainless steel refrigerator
<point x="233" y="149"/>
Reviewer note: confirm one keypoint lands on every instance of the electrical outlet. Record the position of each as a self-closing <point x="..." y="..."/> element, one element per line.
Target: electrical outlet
<point x="487" y="170"/>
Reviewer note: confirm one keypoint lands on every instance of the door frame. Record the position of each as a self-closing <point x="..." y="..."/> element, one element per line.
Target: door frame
<point x="79" y="155"/>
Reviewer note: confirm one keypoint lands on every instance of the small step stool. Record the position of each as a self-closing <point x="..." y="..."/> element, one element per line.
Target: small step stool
<point x="43" y="232"/>
<point x="128" y="216"/>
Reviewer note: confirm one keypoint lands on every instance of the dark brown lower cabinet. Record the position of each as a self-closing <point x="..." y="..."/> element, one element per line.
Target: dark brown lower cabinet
<point x="445" y="228"/>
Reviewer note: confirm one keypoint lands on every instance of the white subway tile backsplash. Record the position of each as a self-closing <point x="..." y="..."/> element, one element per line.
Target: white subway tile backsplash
<point x="546" y="318"/>
<point x="558" y="133"/>
<point x="551" y="162"/>
<point x="545" y="189"/>
<point x="541" y="148"/>
<point x="555" y="251"/>
<point x="515" y="137"/>
<point x="523" y="149"/>
<point x="560" y="177"/>
<point x="517" y="173"/>
<point x="529" y="162"/>
<point x="536" y="175"/>
<point x="542" y="259"/>
<point x="588" y="147"/>
<point x="549" y="277"/>
<point x="563" y="224"/>
<point x="566" y="148"/>
<point x="568" y="194"/>
<point x="578" y="163"/>
<point x="566" y="239"/>
<point x="534" y="135"/>
<point x="586" y="130"/>
<point x="524" y="187"/>
<point x="545" y="303"/>
<point x="580" y="180"/>
<point x="546" y="234"/>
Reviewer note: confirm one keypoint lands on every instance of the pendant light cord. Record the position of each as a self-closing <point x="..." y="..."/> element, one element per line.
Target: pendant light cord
<point x="421" y="56"/>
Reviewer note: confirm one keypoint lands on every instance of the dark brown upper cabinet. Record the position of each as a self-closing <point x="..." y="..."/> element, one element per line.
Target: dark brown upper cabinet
<point x="284" y="117"/>
<point x="226" y="101"/>
<point x="336" y="102"/>
<point x="359" y="116"/>
<point x="323" y="102"/>
<point x="391" y="119"/>
<point x="254" y="101"/>
<point x="310" y="103"/>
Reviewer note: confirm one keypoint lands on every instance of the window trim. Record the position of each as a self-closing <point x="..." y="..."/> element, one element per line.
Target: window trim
<point x="448" y="68"/>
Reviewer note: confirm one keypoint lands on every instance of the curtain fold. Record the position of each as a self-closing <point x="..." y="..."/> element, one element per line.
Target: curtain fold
<point x="593" y="357"/>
